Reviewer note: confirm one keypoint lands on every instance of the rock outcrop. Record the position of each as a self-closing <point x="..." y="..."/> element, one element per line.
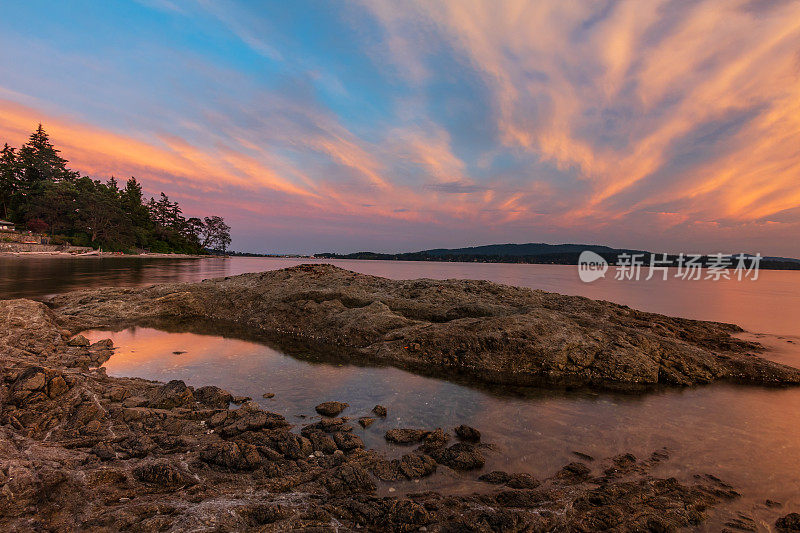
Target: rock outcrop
<point x="494" y="333"/>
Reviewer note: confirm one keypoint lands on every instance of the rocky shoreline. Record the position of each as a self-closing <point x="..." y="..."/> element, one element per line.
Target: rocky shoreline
<point x="85" y="451"/>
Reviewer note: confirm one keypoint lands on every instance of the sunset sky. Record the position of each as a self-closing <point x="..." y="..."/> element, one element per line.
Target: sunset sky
<point x="399" y="126"/>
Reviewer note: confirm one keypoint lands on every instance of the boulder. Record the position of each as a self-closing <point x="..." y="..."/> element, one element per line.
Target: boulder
<point x="331" y="408"/>
<point x="496" y="477"/>
<point x="173" y="394"/>
<point x="78" y="340"/>
<point x="366" y="421"/>
<point x="213" y="397"/>
<point x="232" y="455"/>
<point x="104" y="451"/>
<point x="523" y="481"/>
<point x="56" y="387"/>
<point x="575" y="471"/>
<point x="347" y="441"/>
<point x="468" y="433"/>
<point x="790" y="522"/>
<point x="410" y="466"/>
<point x="405" y="435"/>
<point x="327" y="425"/>
<point x="459" y="456"/>
<point x="435" y="439"/>
<point x="104" y="344"/>
<point x="349" y="479"/>
<point x="31" y="379"/>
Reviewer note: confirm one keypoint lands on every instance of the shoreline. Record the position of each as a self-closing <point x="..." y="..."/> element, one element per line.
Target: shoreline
<point x="105" y="255"/>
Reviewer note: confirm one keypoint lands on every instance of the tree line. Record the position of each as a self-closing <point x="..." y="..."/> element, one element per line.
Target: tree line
<point x="38" y="191"/>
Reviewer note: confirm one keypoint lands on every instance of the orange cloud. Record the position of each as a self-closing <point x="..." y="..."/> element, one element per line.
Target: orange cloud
<point x="167" y="159"/>
<point x="669" y="69"/>
<point x="100" y="152"/>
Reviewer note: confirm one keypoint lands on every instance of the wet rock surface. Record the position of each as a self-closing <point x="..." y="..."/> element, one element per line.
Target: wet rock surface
<point x="366" y="421"/>
<point x="405" y="435"/>
<point x="790" y="522"/>
<point x="331" y="408"/>
<point x="468" y="433"/>
<point x="494" y="333"/>
<point x="213" y="396"/>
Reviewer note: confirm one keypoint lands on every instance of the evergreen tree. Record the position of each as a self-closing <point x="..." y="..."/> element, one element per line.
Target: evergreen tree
<point x="53" y="207"/>
<point x="113" y="185"/>
<point x="39" y="161"/>
<point x="165" y="213"/>
<point x="9" y="179"/>
<point x="39" y="165"/>
<point x="99" y="214"/>
<point x="132" y="202"/>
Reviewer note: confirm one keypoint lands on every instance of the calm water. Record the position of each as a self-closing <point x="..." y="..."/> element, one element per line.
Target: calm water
<point x="749" y="436"/>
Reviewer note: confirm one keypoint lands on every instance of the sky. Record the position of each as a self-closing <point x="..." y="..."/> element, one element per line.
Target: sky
<point x="398" y="126"/>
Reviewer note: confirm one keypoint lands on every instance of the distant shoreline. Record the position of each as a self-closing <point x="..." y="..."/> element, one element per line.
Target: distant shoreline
<point x="564" y="259"/>
<point x="106" y="255"/>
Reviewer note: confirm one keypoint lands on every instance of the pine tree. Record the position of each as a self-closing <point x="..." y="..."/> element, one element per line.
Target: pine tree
<point x="9" y="178"/>
<point x="113" y="185"/>
<point x="137" y="212"/>
<point x="166" y="213"/>
<point x="39" y="161"/>
<point x="132" y="201"/>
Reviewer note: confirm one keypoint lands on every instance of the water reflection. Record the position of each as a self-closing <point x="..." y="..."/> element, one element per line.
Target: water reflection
<point x="35" y="277"/>
<point x="749" y="436"/>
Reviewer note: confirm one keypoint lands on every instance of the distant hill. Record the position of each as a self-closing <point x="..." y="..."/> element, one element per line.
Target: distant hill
<point x="535" y="253"/>
<point x="782" y="259"/>
<point x="526" y="250"/>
